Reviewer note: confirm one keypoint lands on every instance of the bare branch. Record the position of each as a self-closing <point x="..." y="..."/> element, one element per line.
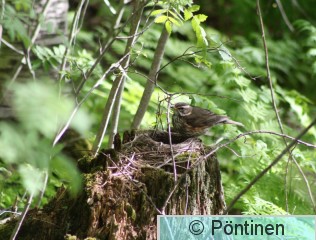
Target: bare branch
<point x="273" y="97"/>
<point x="170" y="141"/>
<point x="286" y="20"/>
<point x="105" y="48"/>
<point x="79" y="14"/>
<point x="19" y="224"/>
<point x="130" y="43"/>
<point x="275" y="161"/>
<point x="278" y="134"/>
<point x="96" y="85"/>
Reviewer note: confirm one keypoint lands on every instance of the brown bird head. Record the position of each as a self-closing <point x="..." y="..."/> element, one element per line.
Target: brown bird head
<point x="182" y="109"/>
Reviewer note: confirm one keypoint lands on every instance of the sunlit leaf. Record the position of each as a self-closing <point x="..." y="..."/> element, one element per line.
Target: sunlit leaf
<point x="225" y="54"/>
<point x="194" y="8"/>
<point x="176" y="22"/>
<point x="161" y="19"/>
<point x="201" y="17"/>
<point x="39" y="107"/>
<point x="187" y="15"/>
<point x="195" y="23"/>
<point x="168" y="26"/>
<point x="157" y="12"/>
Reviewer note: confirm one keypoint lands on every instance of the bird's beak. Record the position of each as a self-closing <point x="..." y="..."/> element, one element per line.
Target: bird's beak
<point x="172" y="106"/>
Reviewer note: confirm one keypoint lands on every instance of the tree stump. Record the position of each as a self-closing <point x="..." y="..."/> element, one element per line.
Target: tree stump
<point x="125" y="190"/>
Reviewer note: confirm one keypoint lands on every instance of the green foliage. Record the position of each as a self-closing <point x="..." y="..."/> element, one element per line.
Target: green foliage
<point x="13" y="20"/>
<point x="169" y="16"/>
<point x="220" y="69"/>
<point x="222" y="84"/>
<point x="48" y="58"/>
<point x="261" y="207"/>
<point x="26" y="145"/>
<point x="227" y="75"/>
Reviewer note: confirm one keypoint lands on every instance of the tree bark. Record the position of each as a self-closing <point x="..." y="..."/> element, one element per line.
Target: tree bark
<point x="151" y="81"/>
<point x="125" y="190"/>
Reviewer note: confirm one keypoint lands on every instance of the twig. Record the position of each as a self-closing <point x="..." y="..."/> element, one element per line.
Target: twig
<point x="275" y="161"/>
<point x="105" y="48"/>
<point x="307" y="184"/>
<point x="170" y="142"/>
<point x="255" y="132"/>
<point x="137" y="11"/>
<point x="96" y="85"/>
<point x="277" y="134"/>
<point x="218" y="48"/>
<point x="273" y="97"/>
<point x="147" y="196"/>
<point x="12" y="47"/>
<point x="286" y="20"/>
<point x="72" y="35"/>
<point x="107" y="113"/>
<point x="42" y="191"/>
<point x="289" y="160"/>
<point x="238" y="155"/>
<point x="19" y="224"/>
<point x="267" y="66"/>
<point x="33" y="39"/>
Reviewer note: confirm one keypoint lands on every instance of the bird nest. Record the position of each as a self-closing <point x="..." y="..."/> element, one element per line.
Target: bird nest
<point x="146" y="150"/>
<point x="151" y="149"/>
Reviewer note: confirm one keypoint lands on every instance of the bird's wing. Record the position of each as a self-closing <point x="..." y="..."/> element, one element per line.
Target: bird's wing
<point x="204" y="118"/>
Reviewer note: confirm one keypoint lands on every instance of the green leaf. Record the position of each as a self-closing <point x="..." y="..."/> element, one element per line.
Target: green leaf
<point x="201" y="37"/>
<point x="168" y="26"/>
<point x="67" y="171"/>
<point x="201" y="17"/>
<point x="44" y="110"/>
<point x="225" y="54"/>
<point x="195" y="23"/>
<point x="157" y="12"/>
<point x="171" y="19"/>
<point x="194" y="8"/>
<point x="312" y="52"/>
<point x="32" y="178"/>
<point x="187" y="15"/>
<point x="161" y="19"/>
<point x="11" y="140"/>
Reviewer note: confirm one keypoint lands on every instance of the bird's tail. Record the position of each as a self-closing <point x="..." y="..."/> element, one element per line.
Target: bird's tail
<point x="228" y="121"/>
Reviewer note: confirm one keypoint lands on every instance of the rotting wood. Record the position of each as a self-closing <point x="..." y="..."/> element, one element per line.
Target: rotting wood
<point x="124" y="191"/>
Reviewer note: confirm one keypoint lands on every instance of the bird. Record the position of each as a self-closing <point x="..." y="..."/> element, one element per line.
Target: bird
<point x="192" y="121"/>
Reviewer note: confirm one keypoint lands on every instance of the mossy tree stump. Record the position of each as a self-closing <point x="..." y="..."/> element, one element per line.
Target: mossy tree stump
<point x="125" y="190"/>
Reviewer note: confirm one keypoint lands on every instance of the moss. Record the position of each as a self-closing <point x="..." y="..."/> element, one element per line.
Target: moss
<point x="187" y="155"/>
<point x="7" y="229"/>
<point x="70" y="237"/>
<point x="131" y="213"/>
<point x="158" y="183"/>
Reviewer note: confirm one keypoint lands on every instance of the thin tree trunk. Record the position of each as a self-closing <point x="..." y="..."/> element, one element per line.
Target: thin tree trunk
<point x="151" y="81"/>
<point x="115" y="115"/>
<point x="118" y="84"/>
